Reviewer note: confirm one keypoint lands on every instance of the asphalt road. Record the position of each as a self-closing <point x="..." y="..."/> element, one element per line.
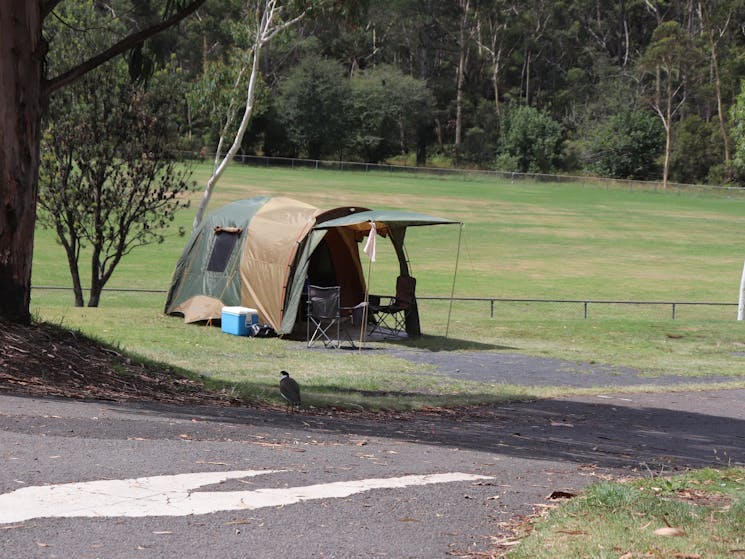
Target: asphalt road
<point x="526" y="451"/>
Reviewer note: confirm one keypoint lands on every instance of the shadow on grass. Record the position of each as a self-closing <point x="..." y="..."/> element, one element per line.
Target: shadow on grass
<point x="441" y="343"/>
<point x="425" y="342"/>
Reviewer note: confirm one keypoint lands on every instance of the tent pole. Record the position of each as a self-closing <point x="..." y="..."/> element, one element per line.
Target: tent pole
<point x="365" y="309"/>
<point x="455" y="273"/>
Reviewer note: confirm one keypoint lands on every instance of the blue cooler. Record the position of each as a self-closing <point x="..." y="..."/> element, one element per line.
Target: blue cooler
<point x="238" y="320"/>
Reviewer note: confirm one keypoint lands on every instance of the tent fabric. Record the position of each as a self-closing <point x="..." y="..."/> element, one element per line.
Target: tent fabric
<point x="279" y="244"/>
<point x="193" y="284"/>
<point x="384" y="220"/>
<point x="269" y="251"/>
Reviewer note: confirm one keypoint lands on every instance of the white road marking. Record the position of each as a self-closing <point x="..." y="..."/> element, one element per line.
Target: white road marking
<point x="174" y="496"/>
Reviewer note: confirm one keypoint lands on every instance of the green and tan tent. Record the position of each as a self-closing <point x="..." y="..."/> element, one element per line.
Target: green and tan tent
<point x="261" y="253"/>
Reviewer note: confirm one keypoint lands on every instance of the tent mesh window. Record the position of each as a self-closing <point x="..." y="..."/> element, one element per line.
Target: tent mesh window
<point x="222" y="248"/>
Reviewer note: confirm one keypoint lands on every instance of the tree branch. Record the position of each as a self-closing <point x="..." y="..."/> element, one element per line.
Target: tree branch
<point x="46" y="7"/>
<point x="50" y="86"/>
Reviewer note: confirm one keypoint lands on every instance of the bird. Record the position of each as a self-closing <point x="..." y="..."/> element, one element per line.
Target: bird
<point x="290" y="390"/>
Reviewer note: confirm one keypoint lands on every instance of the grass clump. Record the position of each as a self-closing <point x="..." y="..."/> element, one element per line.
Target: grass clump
<point x="694" y="515"/>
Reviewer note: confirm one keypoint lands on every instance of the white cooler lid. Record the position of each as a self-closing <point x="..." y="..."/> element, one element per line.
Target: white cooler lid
<point x="239" y="310"/>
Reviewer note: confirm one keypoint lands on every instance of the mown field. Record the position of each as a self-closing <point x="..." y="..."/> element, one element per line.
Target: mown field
<point x="520" y="240"/>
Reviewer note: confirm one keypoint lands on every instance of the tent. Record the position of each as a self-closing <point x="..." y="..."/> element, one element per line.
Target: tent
<point x="261" y="253"/>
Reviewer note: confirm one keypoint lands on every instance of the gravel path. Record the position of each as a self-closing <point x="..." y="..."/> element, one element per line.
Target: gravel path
<point x="526" y="370"/>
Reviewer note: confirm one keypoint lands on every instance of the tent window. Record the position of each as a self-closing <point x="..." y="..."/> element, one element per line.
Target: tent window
<point x="222" y="248"/>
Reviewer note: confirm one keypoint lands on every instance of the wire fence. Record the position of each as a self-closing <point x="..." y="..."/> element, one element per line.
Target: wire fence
<point x="625" y="184"/>
<point x="558" y="309"/>
<point x="589" y="309"/>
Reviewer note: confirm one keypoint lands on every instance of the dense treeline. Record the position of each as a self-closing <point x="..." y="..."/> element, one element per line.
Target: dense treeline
<point x="642" y="89"/>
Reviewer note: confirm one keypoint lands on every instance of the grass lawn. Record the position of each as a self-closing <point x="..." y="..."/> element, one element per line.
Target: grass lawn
<point x="695" y="515"/>
<point x="520" y="240"/>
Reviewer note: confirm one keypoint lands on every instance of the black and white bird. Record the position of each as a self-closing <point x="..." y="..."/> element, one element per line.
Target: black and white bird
<point x="290" y="390"/>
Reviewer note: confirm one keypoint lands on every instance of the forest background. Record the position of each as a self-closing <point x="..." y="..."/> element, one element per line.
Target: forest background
<point x="637" y="89"/>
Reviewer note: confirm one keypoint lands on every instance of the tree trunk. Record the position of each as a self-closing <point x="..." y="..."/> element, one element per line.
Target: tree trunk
<point x="720" y="110"/>
<point x="72" y="249"/>
<point x="460" y="78"/>
<point x="495" y="81"/>
<point x="668" y="122"/>
<point x="22" y="51"/>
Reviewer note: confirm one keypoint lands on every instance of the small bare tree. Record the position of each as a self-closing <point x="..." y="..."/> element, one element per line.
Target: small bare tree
<point x="270" y="19"/>
<point x="108" y="181"/>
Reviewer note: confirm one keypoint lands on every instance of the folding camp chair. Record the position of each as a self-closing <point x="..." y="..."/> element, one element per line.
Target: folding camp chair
<point x="324" y="316"/>
<point x="390" y="320"/>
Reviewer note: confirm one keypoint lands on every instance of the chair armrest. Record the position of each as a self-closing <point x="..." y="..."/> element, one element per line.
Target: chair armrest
<point x="378" y="300"/>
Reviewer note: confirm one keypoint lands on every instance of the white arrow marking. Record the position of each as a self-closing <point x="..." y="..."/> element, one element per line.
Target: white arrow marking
<point x="174" y="495"/>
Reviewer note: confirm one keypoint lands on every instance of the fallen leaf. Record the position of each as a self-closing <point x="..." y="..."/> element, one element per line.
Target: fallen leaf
<point x="669" y="531"/>
<point x="407" y="519"/>
<point x="43" y="544"/>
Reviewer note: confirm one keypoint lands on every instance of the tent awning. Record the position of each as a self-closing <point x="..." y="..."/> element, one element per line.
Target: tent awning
<point x="384" y="218"/>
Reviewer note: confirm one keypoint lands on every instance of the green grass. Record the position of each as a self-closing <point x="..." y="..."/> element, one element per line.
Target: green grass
<point x="703" y="513"/>
<point x="520" y="240"/>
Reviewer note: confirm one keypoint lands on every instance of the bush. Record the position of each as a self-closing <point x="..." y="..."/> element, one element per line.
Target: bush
<point x="531" y="141"/>
<point x="627" y="146"/>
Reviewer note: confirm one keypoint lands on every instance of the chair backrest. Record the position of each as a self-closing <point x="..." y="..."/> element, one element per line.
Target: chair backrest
<point x="405" y="291"/>
<point x="323" y="302"/>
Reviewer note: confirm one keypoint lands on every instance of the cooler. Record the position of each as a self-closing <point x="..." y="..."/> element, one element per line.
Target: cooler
<point x="238" y="320"/>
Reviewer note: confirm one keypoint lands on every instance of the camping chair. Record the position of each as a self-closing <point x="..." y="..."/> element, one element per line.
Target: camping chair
<point x="390" y="319"/>
<point x="324" y="316"/>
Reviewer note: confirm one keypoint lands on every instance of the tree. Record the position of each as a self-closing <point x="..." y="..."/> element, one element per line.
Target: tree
<point x="24" y="91"/>
<point x="312" y="104"/>
<point x="108" y="180"/>
<point x="696" y="156"/>
<point x="493" y="26"/>
<point x="387" y="107"/>
<point x="716" y="17"/>
<point x="738" y="134"/>
<point x="530" y="142"/>
<point x="667" y="59"/>
<point x="266" y="28"/>
<point x="627" y="146"/>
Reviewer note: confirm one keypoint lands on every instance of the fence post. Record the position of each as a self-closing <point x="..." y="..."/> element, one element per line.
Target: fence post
<point x="491" y="309"/>
<point x="741" y="304"/>
<point x="673" y="311"/>
<point x="586" y="303"/>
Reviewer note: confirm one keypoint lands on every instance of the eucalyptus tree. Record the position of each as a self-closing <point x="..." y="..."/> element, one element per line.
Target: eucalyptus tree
<point x="668" y="64"/>
<point x="264" y="20"/>
<point x="718" y="20"/>
<point x="25" y="89"/>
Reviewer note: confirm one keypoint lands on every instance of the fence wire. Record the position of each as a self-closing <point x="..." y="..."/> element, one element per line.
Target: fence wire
<point x="556" y="309"/>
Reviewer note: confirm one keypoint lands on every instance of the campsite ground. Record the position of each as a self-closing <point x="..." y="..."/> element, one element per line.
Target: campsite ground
<point x="574" y="242"/>
<point x="123" y="419"/>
